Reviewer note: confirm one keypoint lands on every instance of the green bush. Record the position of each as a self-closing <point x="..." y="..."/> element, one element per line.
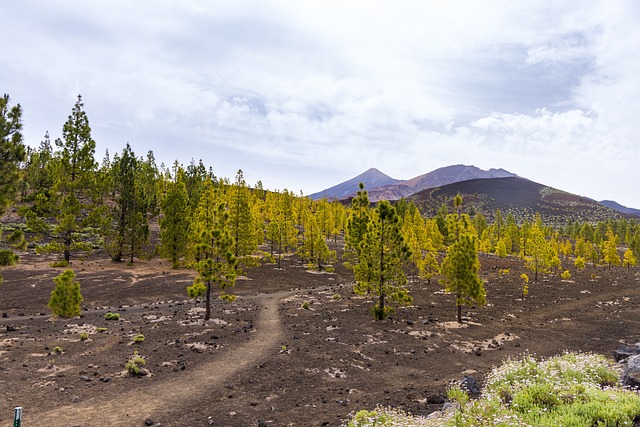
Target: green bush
<point x="572" y="390"/>
<point x="8" y="258"/>
<point x="305" y="305"/>
<point x="57" y="350"/>
<point x="138" y="339"/>
<point x="66" y="297"/>
<point x="134" y="363"/>
<point x="61" y="263"/>
<point x="84" y="336"/>
<point x="112" y="316"/>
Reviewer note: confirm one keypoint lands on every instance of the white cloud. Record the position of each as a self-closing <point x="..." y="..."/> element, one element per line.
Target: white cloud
<point x="309" y="93"/>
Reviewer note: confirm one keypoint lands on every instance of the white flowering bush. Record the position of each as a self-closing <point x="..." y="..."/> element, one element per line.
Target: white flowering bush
<point x="572" y="390"/>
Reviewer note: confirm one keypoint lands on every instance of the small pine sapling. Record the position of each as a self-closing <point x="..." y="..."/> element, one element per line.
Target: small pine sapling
<point x="525" y="285"/>
<point x="66" y="297"/>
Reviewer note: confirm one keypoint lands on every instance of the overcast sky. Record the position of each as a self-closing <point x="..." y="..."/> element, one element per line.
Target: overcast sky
<point x="306" y="94"/>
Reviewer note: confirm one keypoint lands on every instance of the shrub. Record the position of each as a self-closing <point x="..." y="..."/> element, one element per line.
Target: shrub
<point x="66" y="297"/>
<point x="8" y="258"/>
<point x="102" y="329"/>
<point x="112" y="316"/>
<point x="84" y="336"/>
<point x="57" y="350"/>
<point x="337" y="296"/>
<point x="61" y="263"/>
<point x="305" y="305"/>
<point x="138" y="339"/>
<point x="134" y="363"/>
<point x="565" y="275"/>
<point x="568" y="390"/>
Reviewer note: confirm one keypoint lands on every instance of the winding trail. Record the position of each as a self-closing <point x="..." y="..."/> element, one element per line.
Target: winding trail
<point x="131" y="408"/>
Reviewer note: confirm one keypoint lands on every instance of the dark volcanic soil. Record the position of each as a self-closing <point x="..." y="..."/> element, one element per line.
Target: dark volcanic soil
<point x="264" y="357"/>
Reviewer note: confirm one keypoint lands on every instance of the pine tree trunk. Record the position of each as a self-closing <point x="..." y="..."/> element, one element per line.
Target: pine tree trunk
<point x="459" y="308"/>
<point x="207" y="311"/>
<point x="67" y="246"/>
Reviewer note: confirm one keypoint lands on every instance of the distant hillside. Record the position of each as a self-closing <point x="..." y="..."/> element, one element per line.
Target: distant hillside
<point x="518" y="196"/>
<point x="372" y="178"/>
<point x="383" y="187"/>
<point x="442" y="176"/>
<point x="617" y="206"/>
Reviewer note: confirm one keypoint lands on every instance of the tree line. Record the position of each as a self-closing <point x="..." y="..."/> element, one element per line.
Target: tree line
<point x="73" y="205"/>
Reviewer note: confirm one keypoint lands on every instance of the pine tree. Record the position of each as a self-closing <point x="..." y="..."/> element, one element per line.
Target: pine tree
<point x="629" y="258"/>
<point x="610" y="249"/>
<point x="12" y="151"/>
<point x="314" y="248"/>
<point x="214" y="259"/>
<point x="538" y="248"/>
<point x="241" y="222"/>
<point x="382" y="256"/>
<point x="460" y="273"/>
<point x="66" y="297"/>
<point x="501" y="248"/>
<point x="75" y="203"/>
<point x="38" y="176"/>
<point x="174" y="224"/>
<point x="356" y="228"/>
<point x="130" y="229"/>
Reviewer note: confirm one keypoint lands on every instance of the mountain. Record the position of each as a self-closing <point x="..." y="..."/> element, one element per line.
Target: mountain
<point x="383" y="187"/>
<point x="372" y="178"/>
<point x="617" y="206"/>
<point x="518" y="196"/>
<point x="442" y="176"/>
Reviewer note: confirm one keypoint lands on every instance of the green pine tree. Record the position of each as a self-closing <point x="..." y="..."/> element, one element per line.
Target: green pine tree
<point x="175" y="222"/>
<point x="460" y="273"/>
<point x="356" y="229"/>
<point x="214" y="259"/>
<point x="130" y="227"/>
<point x="241" y="222"/>
<point x="76" y="200"/>
<point x="382" y="256"/>
<point x="66" y="297"/>
<point x="12" y="151"/>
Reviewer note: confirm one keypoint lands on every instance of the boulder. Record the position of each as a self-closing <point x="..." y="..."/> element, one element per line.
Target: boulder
<point x="470" y="385"/>
<point x="631" y="375"/>
<point x="625" y="351"/>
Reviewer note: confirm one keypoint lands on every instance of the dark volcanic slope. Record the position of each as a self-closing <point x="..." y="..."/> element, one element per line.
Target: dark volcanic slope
<point x="521" y="197"/>
<point x="620" y="208"/>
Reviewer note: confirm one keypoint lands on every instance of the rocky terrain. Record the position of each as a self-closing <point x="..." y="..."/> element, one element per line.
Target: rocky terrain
<point x="266" y="360"/>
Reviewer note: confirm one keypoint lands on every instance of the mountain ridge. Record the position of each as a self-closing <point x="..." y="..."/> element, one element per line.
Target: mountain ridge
<point x="381" y="186"/>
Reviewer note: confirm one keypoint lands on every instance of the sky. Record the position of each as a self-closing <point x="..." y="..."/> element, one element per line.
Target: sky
<point x="306" y="94"/>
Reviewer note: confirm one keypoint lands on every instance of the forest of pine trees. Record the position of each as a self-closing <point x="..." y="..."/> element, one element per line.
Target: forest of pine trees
<point x="72" y="205"/>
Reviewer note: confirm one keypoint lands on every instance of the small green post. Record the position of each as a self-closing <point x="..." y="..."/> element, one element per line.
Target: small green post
<point x="17" y="416"/>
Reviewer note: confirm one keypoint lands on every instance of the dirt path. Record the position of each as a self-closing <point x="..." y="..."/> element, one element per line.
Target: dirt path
<point x="133" y="407"/>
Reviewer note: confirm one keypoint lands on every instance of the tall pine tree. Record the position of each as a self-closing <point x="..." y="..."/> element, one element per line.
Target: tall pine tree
<point x="383" y="255"/>
<point x="175" y="222"/>
<point x="130" y="227"/>
<point x="214" y="259"/>
<point x="76" y="200"/>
